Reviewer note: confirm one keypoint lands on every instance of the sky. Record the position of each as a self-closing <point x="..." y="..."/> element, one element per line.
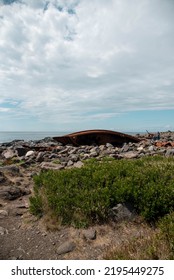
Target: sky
<point x="69" y="65"/>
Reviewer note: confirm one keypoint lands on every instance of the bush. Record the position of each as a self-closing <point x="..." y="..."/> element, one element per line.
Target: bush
<point x="85" y="196"/>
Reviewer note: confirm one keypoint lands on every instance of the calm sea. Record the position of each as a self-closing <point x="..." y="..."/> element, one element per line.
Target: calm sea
<point x="23" y="135"/>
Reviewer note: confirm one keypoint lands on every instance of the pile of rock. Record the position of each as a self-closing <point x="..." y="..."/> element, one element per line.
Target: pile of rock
<point x="48" y="154"/>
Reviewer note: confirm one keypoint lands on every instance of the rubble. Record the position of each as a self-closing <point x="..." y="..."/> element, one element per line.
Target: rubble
<point x="50" y="154"/>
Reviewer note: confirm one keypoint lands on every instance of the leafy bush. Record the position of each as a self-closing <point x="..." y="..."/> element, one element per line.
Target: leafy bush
<point x="84" y="196"/>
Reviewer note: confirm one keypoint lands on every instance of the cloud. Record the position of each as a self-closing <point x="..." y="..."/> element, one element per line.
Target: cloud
<point x="66" y="62"/>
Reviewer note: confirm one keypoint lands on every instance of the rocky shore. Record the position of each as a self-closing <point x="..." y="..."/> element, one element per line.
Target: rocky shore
<point x="22" y="236"/>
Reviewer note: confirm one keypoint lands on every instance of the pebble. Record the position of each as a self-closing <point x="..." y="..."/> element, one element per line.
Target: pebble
<point x="66" y="247"/>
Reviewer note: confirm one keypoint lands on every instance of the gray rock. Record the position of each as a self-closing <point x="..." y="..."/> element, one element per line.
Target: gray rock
<point x="74" y="157"/>
<point x="89" y="234"/>
<point x="130" y="155"/>
<point x="29" y="154"/>
<point x="78" y="164"/>
<point x="140" y="149"/>
<point x="70" y="163"/>
<point x="169" y="152"/>
<point x="109" y="145"/>
<point x="12" y="192"/>
<point x="94" y="154"/>
<point x="3" y="231"/>
<point x="85" y="156"/>
<point x="3" y="213"/>
<point x="122" y="212"/>
<point x="125" y="148"/>
<point x="12" y="169"/>
<point x="40" y="157"/>
<point x="102" y="147"/>
<point x="66" y="247"/>
<point x="151" y="148"/>
<point x="8" y="154"/>
<point x="51" y="166"/>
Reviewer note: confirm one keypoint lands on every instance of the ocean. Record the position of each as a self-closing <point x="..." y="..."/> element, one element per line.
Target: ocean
<point x="8" y="136"/>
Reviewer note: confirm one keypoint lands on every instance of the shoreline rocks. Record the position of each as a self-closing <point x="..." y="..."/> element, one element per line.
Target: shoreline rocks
<point x="49" y="154"/>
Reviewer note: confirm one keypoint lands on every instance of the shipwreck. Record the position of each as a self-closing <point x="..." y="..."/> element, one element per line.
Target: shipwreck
<point x="97" y="137"/>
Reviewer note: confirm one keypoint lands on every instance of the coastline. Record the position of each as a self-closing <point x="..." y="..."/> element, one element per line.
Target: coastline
<point x="22" y="235"/>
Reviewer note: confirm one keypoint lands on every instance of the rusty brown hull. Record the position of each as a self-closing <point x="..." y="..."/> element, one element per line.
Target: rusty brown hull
<point x="99" y="137"/>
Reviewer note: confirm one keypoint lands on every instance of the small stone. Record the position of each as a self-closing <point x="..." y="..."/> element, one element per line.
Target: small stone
<point x="109" y="145"/>
<point x="3" y="231"/>
<point x="140" y="149"/>
<point x="8" y="154"/>
<point x="169" y="152"/>
<point x="70" y="162"/>
<point x="3" y="213"/>
<point x="78" y="164"/>
<point x="12" y="169"/>
<point x="122" y="212"/>
<point x="90" y="234"/>
<point x="130" y="155"/>
<point x="29" y="153"/>
<point x="151" y="148"/>
<point x="51" y="166"/>
<point x="66" y="247"/>
<point x="125" y="148"/>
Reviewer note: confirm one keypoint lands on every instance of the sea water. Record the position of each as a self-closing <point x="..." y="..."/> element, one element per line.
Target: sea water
<point x="8" y="136"/>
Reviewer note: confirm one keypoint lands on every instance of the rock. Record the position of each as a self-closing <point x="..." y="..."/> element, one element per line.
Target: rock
<point x="66" y="247"/>
<point x="122" y="212"/>
<point x="21" y="151"/>
<point x="70" y="163"/>
<point x="89" y="234"/>
<point x="8" y="154"/>
<point x="78" y="164"/>
<point x="125" y="148"/>
<point x="140" y="149"/>
<point x="12" y="192"/>
<point x="151" y="148"/>
<point x="3" y="213"/>
<point x="29" y="153"/>
<point x="74" y="157"/>
<point x="94" y="154"/>
<point x="3" y="231"/>
<point x="169" y="152"/>
<point x="12" y="169"/>
<point x="85" y="156"/>
<point x="51" y="166"/>
<point x="109" y="145"/>
<point x="2" y="178"/>
<point x="130" y="155"/>
<point x="40" y="157"/>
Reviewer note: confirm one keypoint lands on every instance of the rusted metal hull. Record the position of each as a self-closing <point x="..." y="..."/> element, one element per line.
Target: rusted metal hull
<point x="99" y="137"/>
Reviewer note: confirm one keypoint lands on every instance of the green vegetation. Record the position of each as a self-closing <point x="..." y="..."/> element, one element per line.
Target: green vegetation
<point x="84" y="196"/>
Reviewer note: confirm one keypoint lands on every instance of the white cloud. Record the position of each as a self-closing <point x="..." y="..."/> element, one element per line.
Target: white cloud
<point x="70" y="61"/>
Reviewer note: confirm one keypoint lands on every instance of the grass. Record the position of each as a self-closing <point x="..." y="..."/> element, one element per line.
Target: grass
<point x="155" y="244"/>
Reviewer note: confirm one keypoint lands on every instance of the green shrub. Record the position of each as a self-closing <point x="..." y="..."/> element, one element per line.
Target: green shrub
<point x="85" y="196"/>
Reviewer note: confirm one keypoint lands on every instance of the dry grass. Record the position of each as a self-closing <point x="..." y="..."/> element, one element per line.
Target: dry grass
<point x="150" y="245"/>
